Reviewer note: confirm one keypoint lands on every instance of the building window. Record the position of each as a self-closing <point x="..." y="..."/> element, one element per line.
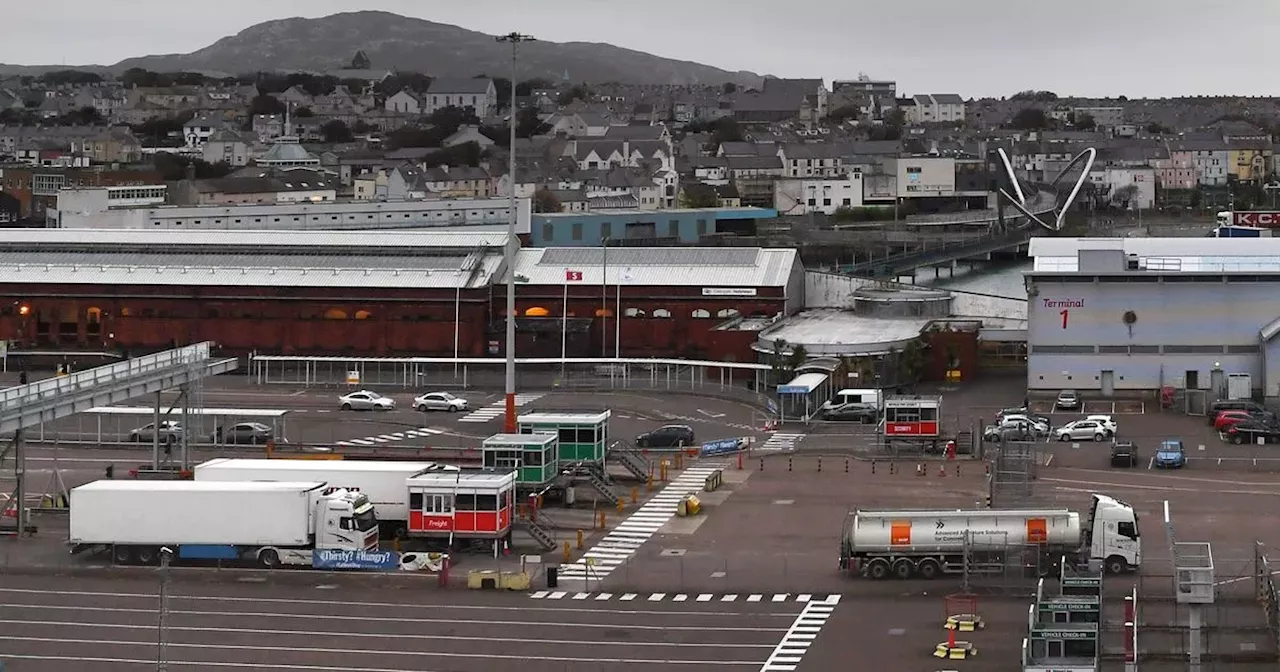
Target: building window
<point x="702" y="227"/>
<point x="701" y="313"/>
<point x="813" y="202"/>
<point x="662" y="313"/>
<point x="547" y="232"/>
<point x="673" y="228"/>
<point x="606" y="230"/>
<point x="335" y="314"/>
<point x="577" y="230"/>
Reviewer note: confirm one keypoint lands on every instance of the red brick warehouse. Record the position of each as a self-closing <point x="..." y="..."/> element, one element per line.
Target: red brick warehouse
<point x="380" y="293"/>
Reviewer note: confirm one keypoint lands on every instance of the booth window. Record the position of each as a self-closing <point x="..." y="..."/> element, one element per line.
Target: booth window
<point x="486" y="503"/>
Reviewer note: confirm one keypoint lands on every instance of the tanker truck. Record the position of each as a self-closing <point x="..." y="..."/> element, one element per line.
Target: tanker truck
<point x="927" y="543"/>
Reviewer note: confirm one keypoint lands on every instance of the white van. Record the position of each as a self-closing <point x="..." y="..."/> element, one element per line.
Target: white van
<point x="868" y="397"/>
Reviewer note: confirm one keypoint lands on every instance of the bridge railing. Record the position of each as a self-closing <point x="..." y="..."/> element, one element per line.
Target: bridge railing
<point x="930" y="253"/>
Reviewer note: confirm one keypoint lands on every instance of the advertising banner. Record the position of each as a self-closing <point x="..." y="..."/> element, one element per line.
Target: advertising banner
<point x="722" y="447"/>
<point x="329" y="559"/>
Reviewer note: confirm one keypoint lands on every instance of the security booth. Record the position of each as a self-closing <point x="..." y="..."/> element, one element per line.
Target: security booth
<point x="466" y="504"/>
<point x="582" y="436"/>
<point x="802" y="398"/>
<point x="534" y="457"/>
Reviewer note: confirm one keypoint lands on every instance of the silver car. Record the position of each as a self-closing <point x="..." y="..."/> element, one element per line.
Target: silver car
<point x="1082" y="430"/>
<point x="439" y="401"/>
<point x="366" y="400"/>
<point x="170" y="432"/>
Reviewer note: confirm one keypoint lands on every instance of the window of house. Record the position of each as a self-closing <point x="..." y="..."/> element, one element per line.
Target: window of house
<point x="577" y="230"/>
<point x="702" y="227"/>
<point x="813" y="202"/>
<point x="826" y="202"/>
<point x="701" y="313"/>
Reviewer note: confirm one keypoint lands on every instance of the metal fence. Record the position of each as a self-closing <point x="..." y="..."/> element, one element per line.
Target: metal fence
<point x="742" y="381"/>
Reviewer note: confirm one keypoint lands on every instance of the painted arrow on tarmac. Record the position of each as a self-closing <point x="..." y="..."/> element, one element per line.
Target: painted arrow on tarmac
<point x="711" y="415"/>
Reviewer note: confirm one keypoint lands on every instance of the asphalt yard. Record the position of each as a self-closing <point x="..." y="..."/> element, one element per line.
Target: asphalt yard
<point x="57" y="624"/>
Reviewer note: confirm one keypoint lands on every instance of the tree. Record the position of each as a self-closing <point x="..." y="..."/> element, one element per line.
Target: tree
<point x="141" y="77"/>
<point x="465" y="154"/>
<point x="1083" y="121"/>
<point x="85" y="116"/>
<point x="843" y="113"/>
<point x="412" y="81"/>
<point x="884" y="132"/>
<point x="544" y="200"/>
<point x="728" y="88"/>
<point x="1125" y="196"/>
<point x="1030" y="119"/>
<point x="303" y="113"/>
<point x="173" y="167"/>
<point x="362" y="127"/>
<point x="1156" y="128"/>
<point x="527" y="87"/>
<point x="336" y="130"/>
<point x="72" y="77"/>
<point x="360" y="61"/>
<point x="698" y="195"/>
<point x="528" y="124"/>
<point x="1035" y="96"/>
<point x="575" y="93"/>
<point x="158" y="130"/>
<point x="265" y="104"/>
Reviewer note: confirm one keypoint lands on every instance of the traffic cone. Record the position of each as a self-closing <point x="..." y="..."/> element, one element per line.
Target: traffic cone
<point x="506" y="547"/>
<point x="942" y="470"/>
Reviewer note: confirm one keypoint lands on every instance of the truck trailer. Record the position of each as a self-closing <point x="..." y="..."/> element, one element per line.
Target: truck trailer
<point x="382" y="482"/>
<point x="273" y="524"/>
<point x="927" y="543"/>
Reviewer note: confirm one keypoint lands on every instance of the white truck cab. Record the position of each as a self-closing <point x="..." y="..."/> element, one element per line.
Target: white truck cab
<point x="344" y="520"/>
<point x="1113" y="534"/>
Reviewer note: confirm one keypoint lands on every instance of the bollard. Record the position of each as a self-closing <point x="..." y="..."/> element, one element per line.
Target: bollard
<point x="635" y="496"/>
<point x="604" y="520"/>
<point x="739" y="461"/>
<point x="622" y="505"/>
<point x="987" y="465"/>
<point x="567" y="552"/>
<point x="957" y="470"/>
<point x="819" y="464"/>
<point x="846" y="465"/>
<point x="942" y="471"/>
<point x="648" y="484"/>
<point x="892" y="469"/>
<point x="873" y="466"/>
<point x="662" y="471"/>
<point x="762" y="464"/>
<point x="579" y="540"/>
<point x="680" y="460"/>
<point x="788" y="464"/>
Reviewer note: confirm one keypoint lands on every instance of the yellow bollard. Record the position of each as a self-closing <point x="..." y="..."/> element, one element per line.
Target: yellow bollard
<point x="579" y="540"/>
<point x="635" y="496"/>
<point x="622" y="504"/>
<point x="662" y="471"/>
<point x="567" y="552"/>
<point x="648" y="484"/>
<point x="604" y="520"/>
<point x="679" y="460"/>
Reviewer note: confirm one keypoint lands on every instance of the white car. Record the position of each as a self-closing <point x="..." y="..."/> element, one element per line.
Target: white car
<point x="1036" y="425"/>
<point x="439" y="401"/>
<point x="1082" y="430"/>
<point x="1106" y="421"/>
<point x="366" y="400"/>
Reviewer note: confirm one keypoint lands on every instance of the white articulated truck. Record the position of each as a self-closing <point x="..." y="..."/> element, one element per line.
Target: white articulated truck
<point x="271" y="524"/>
<point x="382" y="482"/>
<point x="905" y="544"/>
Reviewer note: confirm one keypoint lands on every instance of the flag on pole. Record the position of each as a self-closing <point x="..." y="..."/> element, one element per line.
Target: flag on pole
<point x="572" y="276"/>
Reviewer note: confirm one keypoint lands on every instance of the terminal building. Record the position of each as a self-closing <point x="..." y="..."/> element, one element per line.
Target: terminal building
<point x="1154" y="314"/>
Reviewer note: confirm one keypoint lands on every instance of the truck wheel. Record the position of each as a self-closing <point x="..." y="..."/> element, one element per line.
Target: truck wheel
<point x="928" y="569"/>
<point x="146" y="555"/>
<point x="878" y="569"/>
<point x="269" y="558"/>
<point x="123" y="555"/>
<point x="904" y="568"/>
<point x="1116" y="565"/>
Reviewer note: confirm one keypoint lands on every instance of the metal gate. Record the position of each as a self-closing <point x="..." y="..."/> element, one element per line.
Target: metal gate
<point x="1196" y="402"/>
<point x="1108" y="383"/>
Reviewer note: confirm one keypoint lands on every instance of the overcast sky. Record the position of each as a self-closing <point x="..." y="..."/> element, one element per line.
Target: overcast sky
<point x="970" y="47"/>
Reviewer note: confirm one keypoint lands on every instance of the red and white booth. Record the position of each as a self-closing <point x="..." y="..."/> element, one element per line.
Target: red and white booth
<point x="467" y="504"/>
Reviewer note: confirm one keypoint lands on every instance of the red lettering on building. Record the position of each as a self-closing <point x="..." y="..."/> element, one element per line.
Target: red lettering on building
<point x="1268" y="220"/>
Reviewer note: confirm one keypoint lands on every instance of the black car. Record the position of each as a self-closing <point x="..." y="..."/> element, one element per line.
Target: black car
<point x="1124" y="454"/>
<point x="865" y="413"/>
<point x="1251" y="407"/>
<point x="667" y="436"/>
<point x="1250" y="431"/>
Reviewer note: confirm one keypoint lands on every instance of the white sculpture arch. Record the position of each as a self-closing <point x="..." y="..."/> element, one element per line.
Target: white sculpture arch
<point x="1019" y="199"/>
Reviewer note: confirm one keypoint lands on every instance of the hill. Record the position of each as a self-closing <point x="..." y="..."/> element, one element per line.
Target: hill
<point x="392" y="41"/>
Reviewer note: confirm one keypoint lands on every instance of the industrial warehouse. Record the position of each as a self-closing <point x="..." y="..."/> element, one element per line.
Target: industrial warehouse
<point x="1153" y="314"/>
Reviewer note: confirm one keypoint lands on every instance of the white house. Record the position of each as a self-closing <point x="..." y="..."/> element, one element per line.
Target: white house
<point x="198" y="130"/>
<point x="468" y="133"/>
<point x="1114" y="181"/>
<point x="936" y="108"/>
<point x="404" y="102"/>
<point x="478" y="93"/>
<point x="801" y="196"/>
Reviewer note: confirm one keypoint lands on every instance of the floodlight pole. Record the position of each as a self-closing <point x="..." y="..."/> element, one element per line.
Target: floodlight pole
<point x="509" y="255"/>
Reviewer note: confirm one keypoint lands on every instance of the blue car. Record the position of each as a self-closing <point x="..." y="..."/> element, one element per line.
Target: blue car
<point x="1170" y="455"/>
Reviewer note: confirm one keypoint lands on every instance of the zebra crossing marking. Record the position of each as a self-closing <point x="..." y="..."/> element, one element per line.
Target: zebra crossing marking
<point x="780" y="442"/>
<point x="801" y="635"/>
<point x="817" y="605"/>
<point x="498" y="408"/>
<point x="376" y="439"/>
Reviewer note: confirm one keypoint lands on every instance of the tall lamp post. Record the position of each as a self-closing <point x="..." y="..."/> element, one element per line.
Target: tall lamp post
<point x="509" y="255"/>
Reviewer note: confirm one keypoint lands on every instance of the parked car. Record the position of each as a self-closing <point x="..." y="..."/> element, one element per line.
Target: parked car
<point x="1233" y="405"/>
<point x="1014" y="410"/>
<point x="1036" y="423"/>
<point x="667" y="436"/>
<point x="864" y="413"/>
<point x="1009" y="432"/>
<point x="1124" y="454"/>
<point x="1067" y="400"/>
<point x="1108" y="423"/>
<point x="245" y="432"/>
<point x="1230" y="417"/>
<point x="439" y="401"/>
<point x="366" y="400"/>
<point x="1249" y="431"/>
<point x="1171" y="455"/>
<point x="1082" y="430"/>
<point x="170" y="432"/>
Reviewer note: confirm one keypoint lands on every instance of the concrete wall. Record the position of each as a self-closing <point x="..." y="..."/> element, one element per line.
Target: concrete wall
<point x="1076" y="330"/>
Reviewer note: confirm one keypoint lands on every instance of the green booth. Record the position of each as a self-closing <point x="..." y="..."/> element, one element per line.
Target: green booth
<point x="534" y="457"/>
<point x="582" y="435"/>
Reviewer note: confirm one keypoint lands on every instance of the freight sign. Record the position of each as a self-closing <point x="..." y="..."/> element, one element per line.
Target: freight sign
<point x="328" y="559"/>
<point x="1263" y="219"/>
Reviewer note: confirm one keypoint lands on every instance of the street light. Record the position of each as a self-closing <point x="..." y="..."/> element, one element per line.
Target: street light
<point x="162" y="659"/>
<point x="515" y="40"/>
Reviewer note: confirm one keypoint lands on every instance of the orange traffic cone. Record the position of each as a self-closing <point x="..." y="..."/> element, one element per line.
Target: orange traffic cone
<point x="506" y="547"/>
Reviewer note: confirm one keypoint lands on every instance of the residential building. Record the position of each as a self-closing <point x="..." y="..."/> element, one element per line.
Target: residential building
<point x="866" y="85"/>
<point x="1177" y="172"/>
<point x="404" y="102"/>
<point x="1247" y="160"/>
<point x="234" y="148"/>
<point x="812" y="159"/>
<point x="479" y="94"/>
<point x="942" y="108"/>
<point x="36" y="189"/>
<point x="468" y="133"/>
<point x="1211" y="159"/>
<point x="292" y="186"/>
<point x="825" y="195"/>
<point x="458" y="182"/>
<point x="200" y="128"/>
<point x="1104" y="116"/>
<point x="269" y="126"/>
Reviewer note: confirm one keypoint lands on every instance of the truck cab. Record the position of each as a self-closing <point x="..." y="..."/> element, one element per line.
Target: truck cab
<point x="346" y="522"/>
<point x="1113" y="534"/>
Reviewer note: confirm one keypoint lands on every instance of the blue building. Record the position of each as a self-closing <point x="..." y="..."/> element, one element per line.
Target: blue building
<point x="679" y="226"/>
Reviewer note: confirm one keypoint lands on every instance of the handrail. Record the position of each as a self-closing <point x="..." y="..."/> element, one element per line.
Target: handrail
<point x="745" y="366"/>
<point x="945" y="250"/>
<point x="16" y="397"/>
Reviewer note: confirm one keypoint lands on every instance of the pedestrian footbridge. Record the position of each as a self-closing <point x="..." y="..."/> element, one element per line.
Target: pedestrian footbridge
<point x="47" y="400"/>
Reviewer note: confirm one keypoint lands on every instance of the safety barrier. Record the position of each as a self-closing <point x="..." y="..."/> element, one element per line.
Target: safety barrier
<point x="714" y="480"/>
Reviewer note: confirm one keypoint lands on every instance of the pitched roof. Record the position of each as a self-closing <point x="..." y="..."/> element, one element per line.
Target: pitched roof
<point x="660" y="266"/>
<point x="463" y="85"/>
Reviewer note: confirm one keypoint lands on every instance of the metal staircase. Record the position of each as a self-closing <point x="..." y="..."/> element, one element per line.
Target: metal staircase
<point x="593" y="473"/>
<point x="539" y="527"/>
<point x="964" y="443"/>
<point x="630" y="459"/>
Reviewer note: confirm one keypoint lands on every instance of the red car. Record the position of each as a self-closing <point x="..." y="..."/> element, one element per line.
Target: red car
<point x="1227" y="418"/>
